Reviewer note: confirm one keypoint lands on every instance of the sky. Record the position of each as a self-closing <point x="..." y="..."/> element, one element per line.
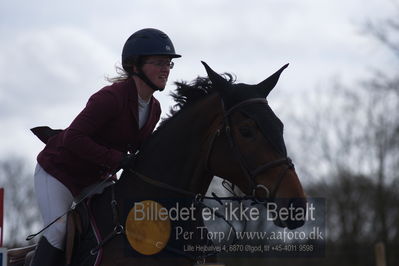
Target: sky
<point x="55" y="54"/>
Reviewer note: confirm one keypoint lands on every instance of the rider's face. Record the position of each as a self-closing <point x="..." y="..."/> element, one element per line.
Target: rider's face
<point x="157" y="69"/>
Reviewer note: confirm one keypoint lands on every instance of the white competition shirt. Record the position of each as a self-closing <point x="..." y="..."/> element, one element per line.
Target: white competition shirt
<point x="144" y="109"/>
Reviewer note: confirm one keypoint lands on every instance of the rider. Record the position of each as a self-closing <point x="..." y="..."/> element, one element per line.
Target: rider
<point x="115" y="121"/>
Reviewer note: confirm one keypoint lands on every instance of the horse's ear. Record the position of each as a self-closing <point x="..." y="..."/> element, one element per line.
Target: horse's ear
<point x="215" y="78"/>
<point x="266" y="86"/>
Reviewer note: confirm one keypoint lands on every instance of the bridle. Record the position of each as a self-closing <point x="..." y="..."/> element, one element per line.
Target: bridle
<point x="249" y="174"/>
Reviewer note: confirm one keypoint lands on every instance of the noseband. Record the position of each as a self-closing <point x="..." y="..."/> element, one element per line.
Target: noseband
<point x="250" y="174"/>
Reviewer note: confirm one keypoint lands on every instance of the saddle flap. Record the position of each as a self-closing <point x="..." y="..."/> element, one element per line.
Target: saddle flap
<point x="74" y="225"/>
<point x="17" y="255"/>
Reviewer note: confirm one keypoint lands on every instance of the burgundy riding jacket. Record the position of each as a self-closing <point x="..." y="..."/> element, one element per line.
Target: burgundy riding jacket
<point x="96" y="141"/>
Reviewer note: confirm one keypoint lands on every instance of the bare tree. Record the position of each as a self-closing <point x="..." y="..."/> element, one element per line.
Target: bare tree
<point x="21" y="213"/>
<point x="351" y="139"/>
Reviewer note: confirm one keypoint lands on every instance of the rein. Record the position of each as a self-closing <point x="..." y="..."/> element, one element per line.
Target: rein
<point x="198" y="200"/>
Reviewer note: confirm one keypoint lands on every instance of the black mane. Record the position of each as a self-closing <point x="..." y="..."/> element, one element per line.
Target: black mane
<point x="187" y="93"/>
<point x="268" y="123"/>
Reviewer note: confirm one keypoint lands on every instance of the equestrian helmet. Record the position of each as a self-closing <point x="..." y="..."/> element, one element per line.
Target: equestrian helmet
<point x="147" y="42"/>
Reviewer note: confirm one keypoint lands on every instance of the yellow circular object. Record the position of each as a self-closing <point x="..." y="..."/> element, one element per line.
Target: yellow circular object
<point x="148" y="227"/>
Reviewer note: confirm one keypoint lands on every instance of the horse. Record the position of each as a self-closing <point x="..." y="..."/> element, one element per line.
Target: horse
<point x="217" y="128"/>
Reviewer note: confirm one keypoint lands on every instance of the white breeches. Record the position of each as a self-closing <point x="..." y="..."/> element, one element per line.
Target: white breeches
<point x="54" y="199"/>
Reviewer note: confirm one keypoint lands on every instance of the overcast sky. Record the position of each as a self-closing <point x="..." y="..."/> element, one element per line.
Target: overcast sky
<point x="55" y="54"/>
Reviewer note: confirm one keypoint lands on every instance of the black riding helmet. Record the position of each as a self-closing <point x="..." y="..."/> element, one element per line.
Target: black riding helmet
<point x="146" y="42"/>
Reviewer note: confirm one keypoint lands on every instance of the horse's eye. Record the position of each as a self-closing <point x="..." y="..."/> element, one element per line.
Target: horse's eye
<point x="246" y="132"/>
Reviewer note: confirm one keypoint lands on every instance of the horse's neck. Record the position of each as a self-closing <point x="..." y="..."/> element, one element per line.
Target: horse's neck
<point x="176" y="154"/>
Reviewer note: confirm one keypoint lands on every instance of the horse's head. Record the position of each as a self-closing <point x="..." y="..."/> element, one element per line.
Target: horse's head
<point x="248" y="147"/>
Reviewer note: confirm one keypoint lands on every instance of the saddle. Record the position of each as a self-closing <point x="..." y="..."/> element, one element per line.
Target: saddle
<point x="17" y="256"/>
<point x="78" y="223"/>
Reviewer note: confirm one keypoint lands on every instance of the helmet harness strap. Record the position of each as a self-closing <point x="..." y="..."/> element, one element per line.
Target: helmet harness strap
<point x="147" y="81"/>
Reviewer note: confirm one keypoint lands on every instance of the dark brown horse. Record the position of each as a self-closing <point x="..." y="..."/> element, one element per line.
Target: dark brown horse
<point x="220" y="128"/>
